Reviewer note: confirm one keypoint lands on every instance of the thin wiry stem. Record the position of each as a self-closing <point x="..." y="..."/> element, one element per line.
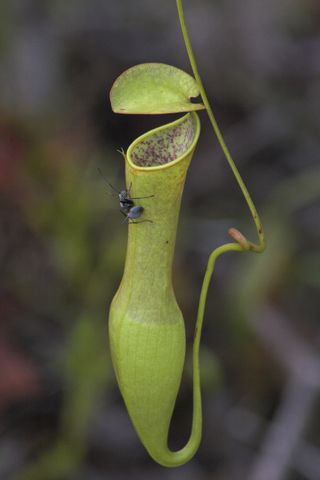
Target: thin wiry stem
<point x="241" y="243"/>
<point x="235" y="234"/>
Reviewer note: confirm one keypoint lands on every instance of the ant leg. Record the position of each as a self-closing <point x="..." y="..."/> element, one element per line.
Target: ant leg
<point x="126" y="219"/>
<point x="139" y="198"/>
<point x="140" y="221"/>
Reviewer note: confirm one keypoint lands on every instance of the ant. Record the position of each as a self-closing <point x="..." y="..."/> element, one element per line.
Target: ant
<point x="127" y="206"/>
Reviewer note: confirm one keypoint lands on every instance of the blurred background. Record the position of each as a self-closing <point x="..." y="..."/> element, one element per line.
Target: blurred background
<point x="63" y="241"/>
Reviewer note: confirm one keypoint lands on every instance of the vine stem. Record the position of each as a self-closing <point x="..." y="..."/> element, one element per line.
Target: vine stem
<point x="201" y="308"/>
<point x="234" y="233"/>
<point x="241" y="243"/>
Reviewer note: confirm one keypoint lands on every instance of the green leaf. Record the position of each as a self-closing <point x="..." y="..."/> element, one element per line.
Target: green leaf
<point x="152" y="88"/>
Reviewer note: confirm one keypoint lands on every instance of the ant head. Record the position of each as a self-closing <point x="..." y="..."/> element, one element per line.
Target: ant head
<point x="124" y="195"/>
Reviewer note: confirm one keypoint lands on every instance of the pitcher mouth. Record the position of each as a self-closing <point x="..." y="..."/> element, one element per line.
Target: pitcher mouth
<point x="165" y="145"/>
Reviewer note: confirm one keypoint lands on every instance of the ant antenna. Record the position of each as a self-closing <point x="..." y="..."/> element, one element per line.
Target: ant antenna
<point x="104" y="178"/>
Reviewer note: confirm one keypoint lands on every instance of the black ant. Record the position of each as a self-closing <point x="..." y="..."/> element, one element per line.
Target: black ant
<point x="127" y="206"/>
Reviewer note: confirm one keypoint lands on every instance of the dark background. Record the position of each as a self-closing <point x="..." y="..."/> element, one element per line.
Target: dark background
<point x="62" y="242"/>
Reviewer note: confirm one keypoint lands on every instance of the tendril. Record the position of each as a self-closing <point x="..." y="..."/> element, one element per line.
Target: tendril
<point x="241" y="240"/>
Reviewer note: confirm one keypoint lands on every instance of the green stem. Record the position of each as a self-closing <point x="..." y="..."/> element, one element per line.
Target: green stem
<point x="245" y="244"/>
<point x="242" y="243"/>
<point x="236" y="247"/>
